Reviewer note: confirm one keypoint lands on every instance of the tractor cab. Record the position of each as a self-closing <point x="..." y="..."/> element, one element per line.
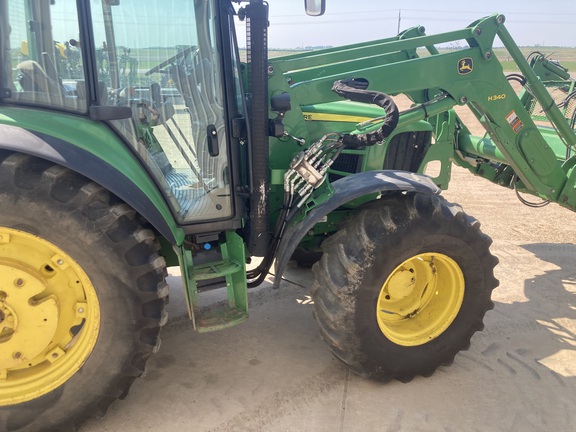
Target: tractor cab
<point x="154" y="71"/>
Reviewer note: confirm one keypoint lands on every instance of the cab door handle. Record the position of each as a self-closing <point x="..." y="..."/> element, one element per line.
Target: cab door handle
<point x="212" y="135"/>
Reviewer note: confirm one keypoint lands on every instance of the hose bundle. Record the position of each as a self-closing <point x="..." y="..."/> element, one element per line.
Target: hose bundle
<point x="355" y="90"/>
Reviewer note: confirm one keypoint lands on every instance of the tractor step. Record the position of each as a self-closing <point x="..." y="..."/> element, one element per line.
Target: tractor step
<point x="215" y="270"/>
<point x="217" y="319"/>
<point x="229" y="269"/>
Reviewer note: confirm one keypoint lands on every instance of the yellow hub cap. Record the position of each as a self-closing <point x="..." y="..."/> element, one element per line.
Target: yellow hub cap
<point x="420" y="299"/>
<point x="49" y="317"/>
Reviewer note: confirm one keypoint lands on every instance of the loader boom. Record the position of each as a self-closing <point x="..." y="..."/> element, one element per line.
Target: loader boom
<point x="515" y="151"/>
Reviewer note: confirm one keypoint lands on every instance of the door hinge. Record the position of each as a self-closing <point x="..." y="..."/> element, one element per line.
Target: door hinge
<point x="238" y="127"/>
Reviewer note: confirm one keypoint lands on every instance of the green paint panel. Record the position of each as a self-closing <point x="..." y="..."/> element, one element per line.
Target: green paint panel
<point x="97" y="139"/>
<point x="232" y="268"/>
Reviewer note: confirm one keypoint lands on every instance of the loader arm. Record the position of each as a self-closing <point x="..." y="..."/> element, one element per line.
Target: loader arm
<point x="532" y="158"/>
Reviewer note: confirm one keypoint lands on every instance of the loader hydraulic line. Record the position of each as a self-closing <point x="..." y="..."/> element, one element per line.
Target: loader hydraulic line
<point x="536" y="86"/>
<point x="308" y="169"/>
<point x="355" y="90"/>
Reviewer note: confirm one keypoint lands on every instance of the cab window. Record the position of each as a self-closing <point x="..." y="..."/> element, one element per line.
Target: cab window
<point x="162" y="60"/>
<point x="41" y="55"/>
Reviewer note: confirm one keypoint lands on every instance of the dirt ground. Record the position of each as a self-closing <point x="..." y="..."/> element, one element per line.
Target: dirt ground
<point x="503" y="216"/>
<point x="273" y="373"/>
<point x="500" y="211"/>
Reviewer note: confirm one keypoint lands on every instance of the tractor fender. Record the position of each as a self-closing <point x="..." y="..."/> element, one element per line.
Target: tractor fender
<point x="83" y="162"/>
<point x="347" y="189"/>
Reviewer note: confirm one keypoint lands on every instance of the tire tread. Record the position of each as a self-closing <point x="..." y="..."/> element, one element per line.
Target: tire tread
<point x="333" y="293"/>
<point x="107" y="214"/>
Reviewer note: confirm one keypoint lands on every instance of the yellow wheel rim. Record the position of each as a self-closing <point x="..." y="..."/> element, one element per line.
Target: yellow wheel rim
<point x="420" y="299"/>
<point x="49" y="317"/>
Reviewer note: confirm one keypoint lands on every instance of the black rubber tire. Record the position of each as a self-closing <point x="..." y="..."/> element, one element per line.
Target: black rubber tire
<point x="359" y="258"/>
<point x="103" y="235"/>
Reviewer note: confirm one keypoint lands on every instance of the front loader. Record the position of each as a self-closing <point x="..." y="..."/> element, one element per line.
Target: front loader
<point x="133" y="136"/>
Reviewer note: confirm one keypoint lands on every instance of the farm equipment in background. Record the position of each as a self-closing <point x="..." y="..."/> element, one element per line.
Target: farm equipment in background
<point x="176" y="152"/>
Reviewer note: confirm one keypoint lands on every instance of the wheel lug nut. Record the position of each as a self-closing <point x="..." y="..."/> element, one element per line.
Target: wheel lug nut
<point x="19" y="282"/>
<point x="17" y="355"/>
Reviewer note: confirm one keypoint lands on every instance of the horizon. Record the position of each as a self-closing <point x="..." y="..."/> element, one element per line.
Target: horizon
<point x="533" y="25"/>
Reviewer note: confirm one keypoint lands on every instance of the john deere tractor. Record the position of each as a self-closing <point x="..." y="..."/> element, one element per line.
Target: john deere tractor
<point x="134" y="136"/>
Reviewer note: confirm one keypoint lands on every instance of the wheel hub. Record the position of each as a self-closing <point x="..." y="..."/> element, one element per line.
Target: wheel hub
<point x="29" y="324"/>
<point x="420" y="299"/>
<point x="49" y="316"/>
<point x="401" y="284"/>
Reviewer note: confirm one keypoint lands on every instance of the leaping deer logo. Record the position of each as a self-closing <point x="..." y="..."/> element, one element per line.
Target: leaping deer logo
<point x="465" y="66"/>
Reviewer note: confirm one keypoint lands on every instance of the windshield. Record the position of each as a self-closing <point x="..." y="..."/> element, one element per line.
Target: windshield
<point x="162" y="59"/>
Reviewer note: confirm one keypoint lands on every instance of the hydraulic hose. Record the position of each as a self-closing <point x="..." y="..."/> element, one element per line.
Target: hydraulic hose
<point x="257" y="275"/>
<point x="355" y="89"/>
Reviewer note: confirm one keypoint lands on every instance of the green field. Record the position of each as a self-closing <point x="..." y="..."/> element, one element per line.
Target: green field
<point x="566" y="56"/>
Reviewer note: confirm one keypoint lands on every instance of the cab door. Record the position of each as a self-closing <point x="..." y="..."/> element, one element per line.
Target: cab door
<point x="164" y="61"/>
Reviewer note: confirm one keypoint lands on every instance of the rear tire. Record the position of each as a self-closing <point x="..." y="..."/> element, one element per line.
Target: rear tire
<point x="101" y="286"/>
<point x="403" y="286"/>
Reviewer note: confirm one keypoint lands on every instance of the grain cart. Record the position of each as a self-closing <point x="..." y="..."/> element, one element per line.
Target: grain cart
<point x="134" y="137"/>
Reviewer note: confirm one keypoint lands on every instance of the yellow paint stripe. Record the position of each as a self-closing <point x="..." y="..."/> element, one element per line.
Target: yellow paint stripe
<point x="308" y="116"/>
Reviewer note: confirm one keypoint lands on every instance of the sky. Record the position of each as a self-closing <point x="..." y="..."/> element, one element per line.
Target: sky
<point x="531" y="22"/>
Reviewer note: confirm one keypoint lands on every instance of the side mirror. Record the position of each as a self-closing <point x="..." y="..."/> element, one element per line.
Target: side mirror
<point x="280" y="103"/>
<point x="315" y="7"/>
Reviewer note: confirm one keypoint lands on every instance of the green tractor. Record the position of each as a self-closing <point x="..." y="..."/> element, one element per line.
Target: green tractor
<point x="133" y="136"/>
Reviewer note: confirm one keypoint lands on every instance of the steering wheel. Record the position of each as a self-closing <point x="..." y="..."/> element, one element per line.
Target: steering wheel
<point x="172" y="59"/>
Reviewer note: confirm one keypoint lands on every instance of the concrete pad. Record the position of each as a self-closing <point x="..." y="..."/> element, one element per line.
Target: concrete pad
<point x="274" y="373"/>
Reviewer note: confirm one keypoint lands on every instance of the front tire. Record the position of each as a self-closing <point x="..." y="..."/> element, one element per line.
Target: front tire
<point x="82" y="295"/>
<point x="403" y="286"/>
